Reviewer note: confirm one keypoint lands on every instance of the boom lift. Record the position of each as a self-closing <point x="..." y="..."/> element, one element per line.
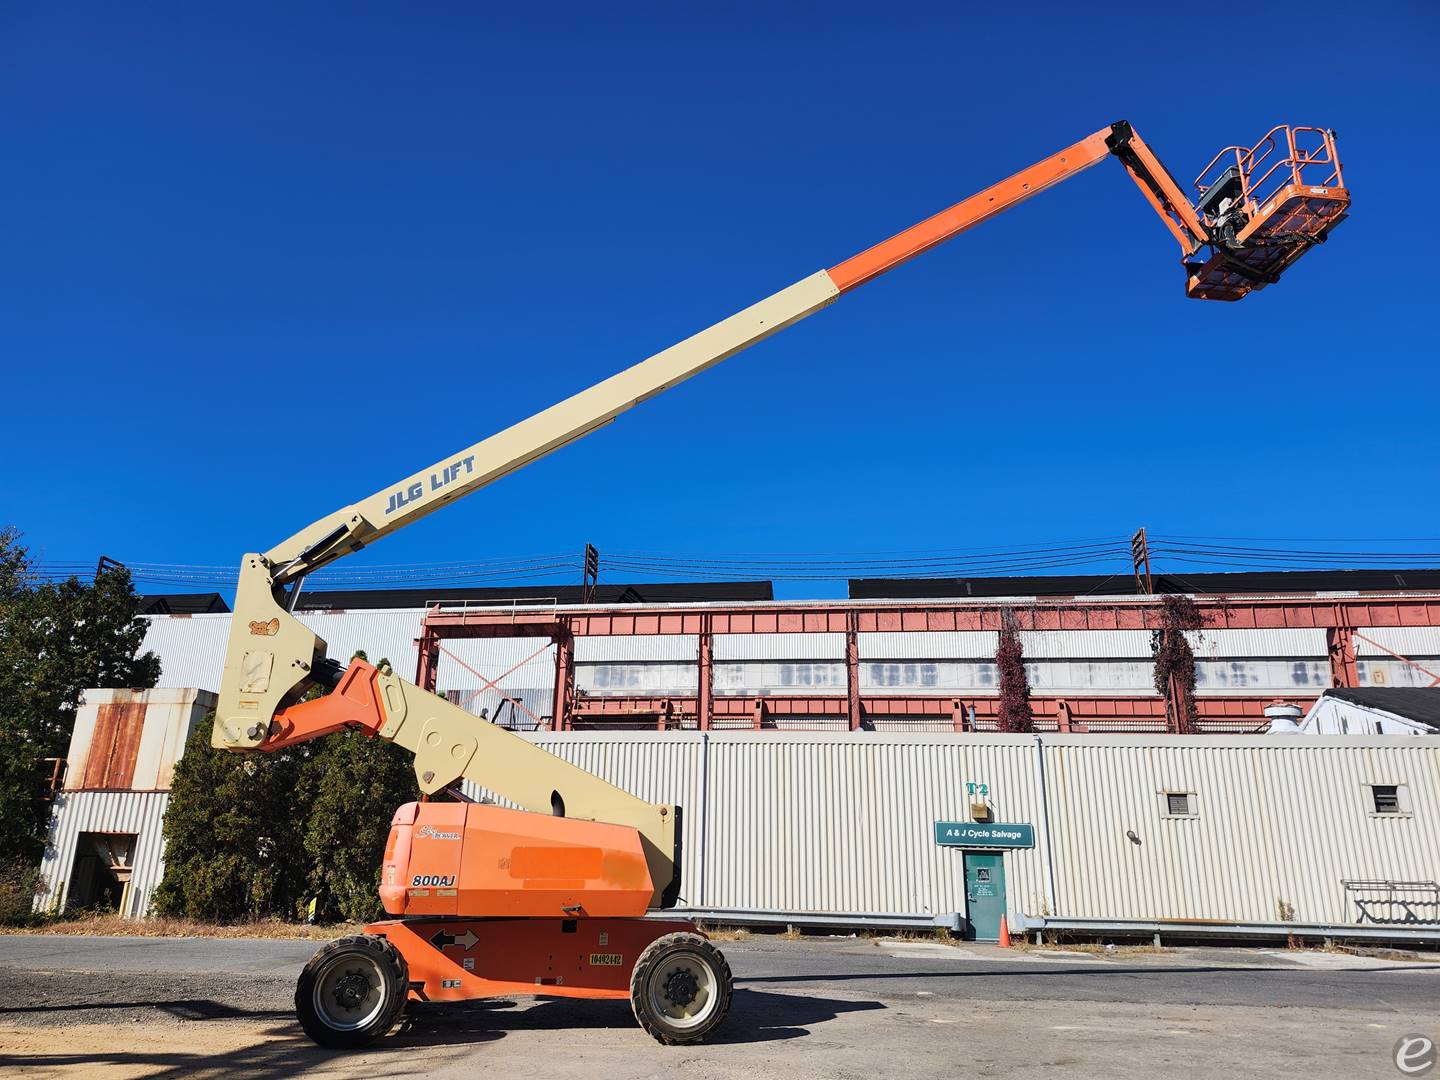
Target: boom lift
<point x="549" y="899"/>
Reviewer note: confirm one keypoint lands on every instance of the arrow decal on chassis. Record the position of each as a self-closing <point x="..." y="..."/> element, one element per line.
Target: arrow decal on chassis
<point x="440" y="939"/>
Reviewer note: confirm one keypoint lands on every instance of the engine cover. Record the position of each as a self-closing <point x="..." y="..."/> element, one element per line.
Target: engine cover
<point x="481" y="861"/>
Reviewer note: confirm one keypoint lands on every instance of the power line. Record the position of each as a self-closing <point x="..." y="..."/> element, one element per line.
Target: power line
<point x="1095" y="553"/>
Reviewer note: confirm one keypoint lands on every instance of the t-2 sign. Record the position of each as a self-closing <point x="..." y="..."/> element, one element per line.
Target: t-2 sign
<point x="982" y="790"/>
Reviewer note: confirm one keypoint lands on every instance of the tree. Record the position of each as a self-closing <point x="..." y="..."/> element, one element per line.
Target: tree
<point x="232" y="837"/>
<point x="264" y="834"/>
<point x="56" y="639"/>
<point x="1174" y="659"/>
<point x="353" y="784"/>
<point x="1015" y="711"/>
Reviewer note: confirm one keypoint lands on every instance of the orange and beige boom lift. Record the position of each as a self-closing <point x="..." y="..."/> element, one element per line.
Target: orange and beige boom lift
<point x="549" y="899"/>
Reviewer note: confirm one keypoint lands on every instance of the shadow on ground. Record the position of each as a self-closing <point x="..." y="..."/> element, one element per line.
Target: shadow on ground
<point x="281" y="1050"/>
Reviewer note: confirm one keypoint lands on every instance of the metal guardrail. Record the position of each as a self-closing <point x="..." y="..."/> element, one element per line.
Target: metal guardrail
<point x="1184" y="928"/>
<point x="1156" y="929"/>
<point x="865" y="920"/>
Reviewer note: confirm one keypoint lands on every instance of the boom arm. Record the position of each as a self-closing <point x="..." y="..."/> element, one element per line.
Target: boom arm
<point x="273" y="658"/>
<point x="499" y="455"/>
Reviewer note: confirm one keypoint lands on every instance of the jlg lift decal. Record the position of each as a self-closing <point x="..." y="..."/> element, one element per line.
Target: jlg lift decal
<point x="606" y="959"/>
<point x="406" y="495"/>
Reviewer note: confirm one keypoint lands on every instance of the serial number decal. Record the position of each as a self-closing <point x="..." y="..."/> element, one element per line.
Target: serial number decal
<point x="606" y="959"/>
<point x="425" y="880"/>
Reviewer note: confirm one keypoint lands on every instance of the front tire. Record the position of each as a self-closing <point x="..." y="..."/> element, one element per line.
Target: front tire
<point x="680" y="989"/>
<point x="352" y="991"/>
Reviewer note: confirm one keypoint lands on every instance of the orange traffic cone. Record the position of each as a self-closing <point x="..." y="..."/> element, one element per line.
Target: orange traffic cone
<point x="1004" y="933"/>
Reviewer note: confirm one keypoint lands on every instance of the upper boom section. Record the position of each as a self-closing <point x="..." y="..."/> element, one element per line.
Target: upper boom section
<point x="421" y="493"/>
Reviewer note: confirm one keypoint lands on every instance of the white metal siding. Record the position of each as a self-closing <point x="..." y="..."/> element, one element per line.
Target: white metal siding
<point x="139" y="812"/>
<point x="836" y="823"/>
<point x="649" y="648"/>
<point x="192" y="649"/>
<point x="1277" y="642"/>
<point x="515" y="664"/>
<point x="1409" y="641"/>
<point x="1332" y="716"/>
<point x="1280" y="822"/>
<point x="818" y="646"/>
<point x="844" y="822"/>
<point x="1085" y="644"/>
<point x="928" y="645"/>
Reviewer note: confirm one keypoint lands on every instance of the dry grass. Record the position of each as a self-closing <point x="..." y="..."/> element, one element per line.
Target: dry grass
<point x="1092" y="948"/>
<point x="113" y="925"/>
<point x="937" y="936"/>
<point x="724" y="933"/>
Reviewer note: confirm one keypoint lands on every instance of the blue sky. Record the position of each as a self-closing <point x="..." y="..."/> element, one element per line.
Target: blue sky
<point x="260" y="263"/>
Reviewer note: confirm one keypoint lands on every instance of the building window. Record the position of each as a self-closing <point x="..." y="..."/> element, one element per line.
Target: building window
<point x="1385" y="798"/>
<point x="1179" y="804"/>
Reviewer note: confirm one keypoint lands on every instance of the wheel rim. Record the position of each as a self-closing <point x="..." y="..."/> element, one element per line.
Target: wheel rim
<point x="684" y="990"/>
<point x="349" y="992"/>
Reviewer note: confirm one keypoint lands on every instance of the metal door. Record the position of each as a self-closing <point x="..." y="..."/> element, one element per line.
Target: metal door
<point x="984" y="893"/>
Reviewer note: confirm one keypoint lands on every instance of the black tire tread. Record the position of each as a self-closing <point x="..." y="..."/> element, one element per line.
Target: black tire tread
<point x="396" y="970"/>
<point x="639" y="1003"/>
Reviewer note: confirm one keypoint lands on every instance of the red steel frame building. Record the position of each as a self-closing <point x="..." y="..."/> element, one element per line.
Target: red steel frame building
<point x="1342" y="619"/>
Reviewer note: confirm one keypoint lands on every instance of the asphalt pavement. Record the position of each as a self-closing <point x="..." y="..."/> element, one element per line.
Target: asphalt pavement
<point x="824" y="1007"/>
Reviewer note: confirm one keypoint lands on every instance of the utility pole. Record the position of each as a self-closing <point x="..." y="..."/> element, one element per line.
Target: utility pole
<point x="592" y="575"/>
<point x="1140" y="556"/>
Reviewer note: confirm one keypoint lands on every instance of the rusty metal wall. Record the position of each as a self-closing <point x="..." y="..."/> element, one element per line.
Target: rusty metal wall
<point x="131" y="739"/>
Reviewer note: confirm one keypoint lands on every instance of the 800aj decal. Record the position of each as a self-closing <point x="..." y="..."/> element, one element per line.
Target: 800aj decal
<point x="422" y="880"/>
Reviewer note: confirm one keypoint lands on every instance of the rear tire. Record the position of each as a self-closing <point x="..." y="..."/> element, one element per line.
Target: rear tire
<point x="680" y="989"/>
<point x="352" y="991"/>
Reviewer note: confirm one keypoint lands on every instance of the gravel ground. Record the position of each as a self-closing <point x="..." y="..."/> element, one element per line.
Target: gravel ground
<point x="813" y="1008"/>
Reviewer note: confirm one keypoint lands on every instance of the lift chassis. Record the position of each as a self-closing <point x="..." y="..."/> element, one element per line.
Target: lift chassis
<point x="557" y="897"/>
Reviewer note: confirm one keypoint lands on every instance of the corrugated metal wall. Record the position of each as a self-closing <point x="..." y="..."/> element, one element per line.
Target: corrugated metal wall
<point x="820" y="822"/>
<point x="141" y="813"/>
<point x="825" y="823"/>
<point x="928" y="645"/>
<point x="1277" y="642"/>
<point x="1412" y="641"/>
<point x="816" y="646"/>
<point x="1279" y="823"/>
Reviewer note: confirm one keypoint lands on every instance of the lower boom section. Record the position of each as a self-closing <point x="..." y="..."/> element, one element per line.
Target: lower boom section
<point x="355" y="990"/>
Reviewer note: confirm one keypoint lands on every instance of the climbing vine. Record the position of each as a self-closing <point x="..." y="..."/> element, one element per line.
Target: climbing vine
<point x="1175" y="659"/>
<point x="1015" y="711"/>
